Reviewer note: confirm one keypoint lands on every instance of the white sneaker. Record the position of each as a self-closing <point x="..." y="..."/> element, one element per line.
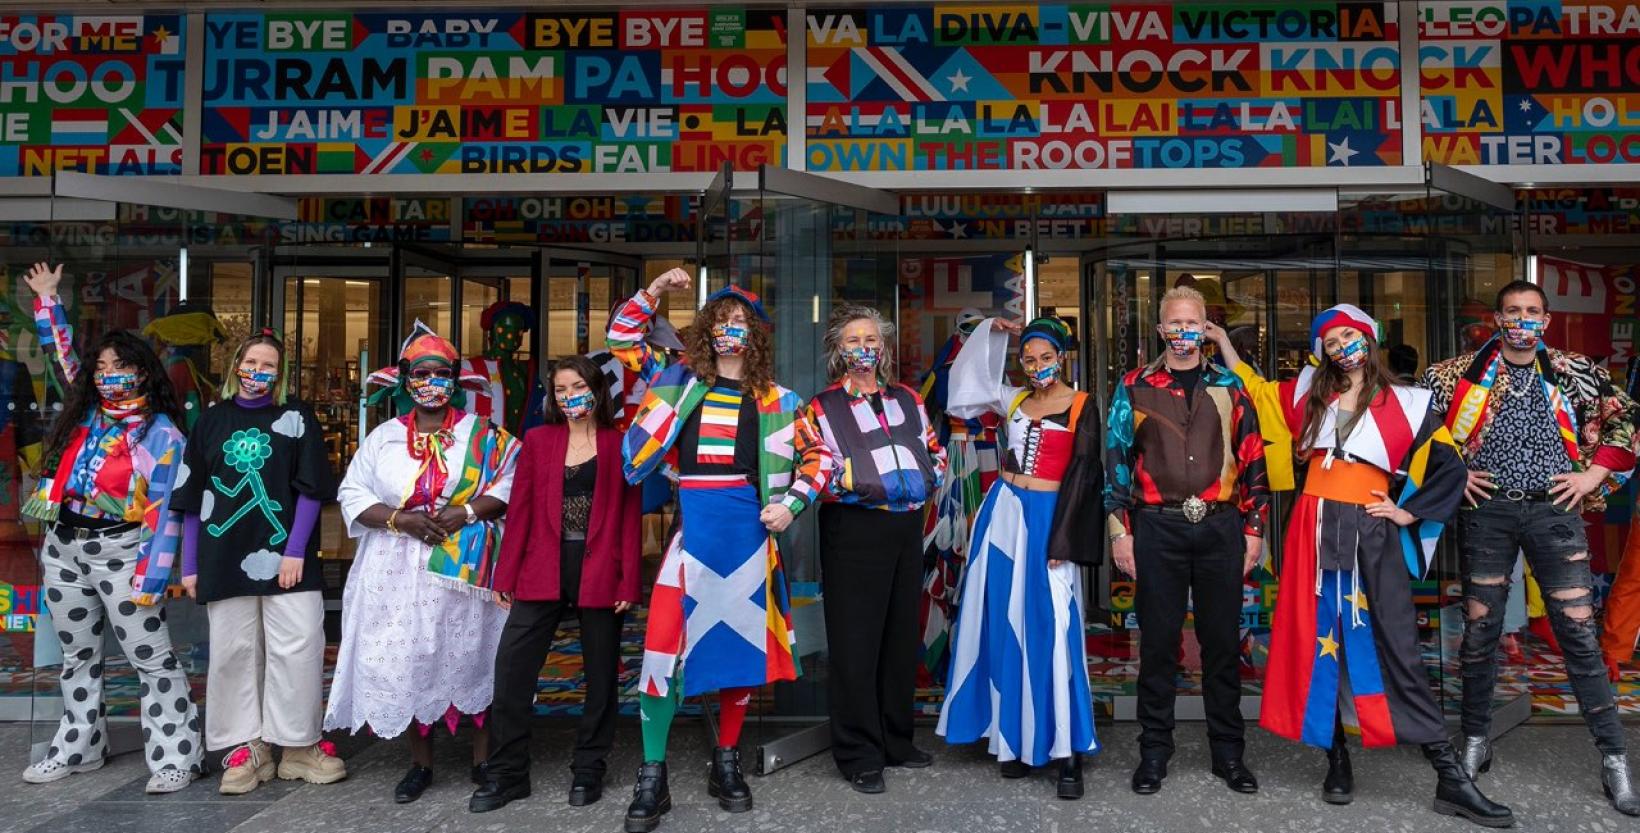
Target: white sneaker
<point x="169" y="780"/>
<point x="51" y="769"/>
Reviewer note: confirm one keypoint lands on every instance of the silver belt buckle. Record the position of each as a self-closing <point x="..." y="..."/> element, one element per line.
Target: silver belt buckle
<point x="1516" y="495"/>
<point x="1195" y="509"/>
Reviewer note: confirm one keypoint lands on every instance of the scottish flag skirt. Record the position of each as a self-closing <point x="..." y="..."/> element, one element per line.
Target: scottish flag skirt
<point x="720" y="607"/>
<point x="1019" y="671"/>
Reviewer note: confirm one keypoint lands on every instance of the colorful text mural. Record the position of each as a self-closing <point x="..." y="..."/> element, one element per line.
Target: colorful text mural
<point x="1582" y="210"/>
<point x="1186" y="85"/>
<point x="628" y="92"/>
<point x="101" y="94"/>
<point x="1526" y="82"/>
<point x="592" y="219"/>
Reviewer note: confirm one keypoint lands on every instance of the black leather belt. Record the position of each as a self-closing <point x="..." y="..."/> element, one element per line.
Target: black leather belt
<point x="71" y="532"/>
<point x="1193" y="514"/>
<point x="1520" y="495"/>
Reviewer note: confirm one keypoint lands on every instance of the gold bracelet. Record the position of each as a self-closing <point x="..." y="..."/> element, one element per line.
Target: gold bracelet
<point x="390" y="526"/>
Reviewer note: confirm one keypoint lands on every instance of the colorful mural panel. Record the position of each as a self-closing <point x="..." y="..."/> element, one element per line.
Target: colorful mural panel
<point x="1530" y="82"/>
<point x="101" y="94"/>
<point x="476" y="92"/>
<point x="1186" y="85"/>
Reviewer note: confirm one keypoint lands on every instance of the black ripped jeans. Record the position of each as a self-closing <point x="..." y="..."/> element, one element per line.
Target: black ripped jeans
<point x="1558" y="552"/>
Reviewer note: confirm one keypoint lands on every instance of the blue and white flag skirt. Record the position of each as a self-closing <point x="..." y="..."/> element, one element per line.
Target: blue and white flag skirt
<point x="1019" y="671"/>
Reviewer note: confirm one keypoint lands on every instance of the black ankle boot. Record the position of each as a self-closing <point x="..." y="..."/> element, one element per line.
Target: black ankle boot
<point x="726" y="783"/>
<point x="1457" y="795"/>
<point x="651" y="798"/>
<point x="1339" y="785"/>
<point x="1070" y="777"/>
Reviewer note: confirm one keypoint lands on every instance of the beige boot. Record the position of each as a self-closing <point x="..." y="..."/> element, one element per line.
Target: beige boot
<point x="316" y="764"/>
<point x="245" y="768"/>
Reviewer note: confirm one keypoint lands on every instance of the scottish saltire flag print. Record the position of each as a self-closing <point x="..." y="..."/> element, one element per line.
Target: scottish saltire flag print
<point x="720" y="606"/>
<point x="1019" y="672"/>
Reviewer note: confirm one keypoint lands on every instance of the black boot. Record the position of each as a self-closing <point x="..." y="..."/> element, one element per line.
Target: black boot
<point x="650" y="798"/>
<point x="1339" y="785"/>
<point x="1070" y="777"/>
<point x="1457" y="795"/>
<point x="726" y="783"/>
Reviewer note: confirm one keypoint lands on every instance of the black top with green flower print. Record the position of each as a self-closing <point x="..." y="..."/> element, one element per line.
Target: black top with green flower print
<point x="244" y="468"/>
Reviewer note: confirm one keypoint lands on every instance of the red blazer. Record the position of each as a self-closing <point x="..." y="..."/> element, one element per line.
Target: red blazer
<point x="528" y="568"/>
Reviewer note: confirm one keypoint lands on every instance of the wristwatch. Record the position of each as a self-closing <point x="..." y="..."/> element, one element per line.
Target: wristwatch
<point x="471" y="515"/>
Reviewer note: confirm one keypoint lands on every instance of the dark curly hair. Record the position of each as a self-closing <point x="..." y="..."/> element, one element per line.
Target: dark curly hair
<point x="697" y="346"/>
<point x="82" y="395"/>
<point x="603" y="411"/>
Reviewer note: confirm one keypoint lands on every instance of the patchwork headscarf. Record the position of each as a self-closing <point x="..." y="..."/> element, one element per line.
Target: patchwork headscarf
<point x="422" y="345"/>
<point x="1342" y="315"/>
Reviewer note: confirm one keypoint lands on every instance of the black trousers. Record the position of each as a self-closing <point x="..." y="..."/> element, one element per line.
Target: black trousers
<point x="1182" y="563"/>
<point x="525" y="642"/>
<point x="871" y="575"/>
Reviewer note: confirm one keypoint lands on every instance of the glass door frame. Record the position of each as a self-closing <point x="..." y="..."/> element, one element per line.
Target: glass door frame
<point x="1098" y="293"/>
<point x="595" y="320"/>
<point x="87" y="196"/>
<point x="809" y="734"/>
<point x="1484" y="201"/>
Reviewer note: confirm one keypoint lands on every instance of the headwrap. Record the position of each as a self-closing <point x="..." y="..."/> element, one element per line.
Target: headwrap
<point x="422" y="345"/>
<point x="1049" y="328"/>
<point x="745" y="296"/>
<point x="1342" y="315"/>
<point x="507" y="309"/>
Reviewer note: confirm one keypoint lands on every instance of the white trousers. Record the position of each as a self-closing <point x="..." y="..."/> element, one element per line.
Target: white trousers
<point x="267" y="670"/>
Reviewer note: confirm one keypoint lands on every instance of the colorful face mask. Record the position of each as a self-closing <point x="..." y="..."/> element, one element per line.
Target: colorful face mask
<point x="1523" y="333"/>
<point x="729" y="339"/>
<point x="1349" y="355"/>
<point x="431" y="391"/>
<point x="1183" y="342"/>
<point x="578" y="405"/>
<point x="116" y="387"/>
<point x="256" y="382"/>
<point x="1044" y="376"/>
<point x="862" y="359"/>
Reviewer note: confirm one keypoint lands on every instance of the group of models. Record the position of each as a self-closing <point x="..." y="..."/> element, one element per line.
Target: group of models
<point x="458" y="589"/>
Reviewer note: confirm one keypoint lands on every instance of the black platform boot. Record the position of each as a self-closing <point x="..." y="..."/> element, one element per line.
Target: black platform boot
<point x="1070" y="777"/>
<point x="650" y="798"/>
<point x="726" y="783"/>
<point x="1457" y="795"/>
<point x="1339" y="785"/>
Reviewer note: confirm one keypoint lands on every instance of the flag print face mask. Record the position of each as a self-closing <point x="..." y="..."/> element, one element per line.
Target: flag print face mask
<point x="256" y="382"/>
<point x="1523" y="333"/>
<point x="1349" y="355"/>
<point x="729" y="339"/>
<point x="578" y="405"/>
<point x="1183" y="342"/>
<point x="431" y="391"/>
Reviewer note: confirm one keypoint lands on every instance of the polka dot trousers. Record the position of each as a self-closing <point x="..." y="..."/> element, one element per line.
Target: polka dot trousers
<point x="88" y="589"/>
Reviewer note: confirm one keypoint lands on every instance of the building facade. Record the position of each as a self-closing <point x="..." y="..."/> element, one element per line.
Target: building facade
<point x="342" y="173"/>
